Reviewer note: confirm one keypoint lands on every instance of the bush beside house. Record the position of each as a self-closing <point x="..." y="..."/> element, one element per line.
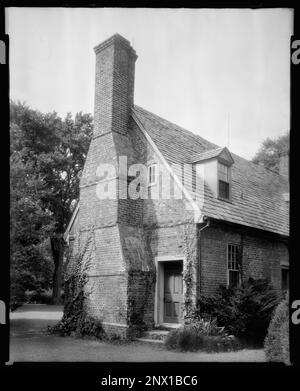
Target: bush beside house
<point x="232" y="319"/>
<point x="199" y="334"/>
<point x="244" y="311"/>
<point x="277" y="340"/>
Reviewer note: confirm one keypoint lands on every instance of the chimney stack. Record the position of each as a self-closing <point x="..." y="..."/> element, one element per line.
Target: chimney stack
<point x="114" y="87"/>
<point x="284" y="164"/>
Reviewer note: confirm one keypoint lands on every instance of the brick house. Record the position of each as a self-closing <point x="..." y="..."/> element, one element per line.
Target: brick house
<point x="225" y="219"/>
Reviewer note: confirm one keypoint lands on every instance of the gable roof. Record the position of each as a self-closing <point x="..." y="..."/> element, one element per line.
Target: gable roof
<point x="212" y="153"/>
<point x="258" y="199"/>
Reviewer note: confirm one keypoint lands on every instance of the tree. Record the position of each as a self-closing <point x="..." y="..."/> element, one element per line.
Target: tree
<point x="56" y="150"/>
<point x="269" y="153"/>
<point x="30" y="224"/>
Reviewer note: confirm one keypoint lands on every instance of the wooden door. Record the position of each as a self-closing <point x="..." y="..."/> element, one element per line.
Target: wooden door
<point x="173" y="292"/>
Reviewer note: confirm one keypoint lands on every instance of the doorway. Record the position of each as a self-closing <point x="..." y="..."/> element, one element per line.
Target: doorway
<point x="173" y="292"/>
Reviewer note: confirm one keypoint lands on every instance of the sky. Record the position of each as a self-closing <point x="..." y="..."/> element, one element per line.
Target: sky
<point x="221" y="73"/>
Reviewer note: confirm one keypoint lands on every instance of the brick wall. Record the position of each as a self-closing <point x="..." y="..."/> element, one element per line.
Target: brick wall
<point x="261" y="257"/>
<point x="107" y="297"/>
<point x="141" y="285"/>
<point x="114" y="86"/>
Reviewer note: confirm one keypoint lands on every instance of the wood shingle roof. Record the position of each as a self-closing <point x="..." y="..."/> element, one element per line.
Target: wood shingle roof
<point x="258" y="194"/>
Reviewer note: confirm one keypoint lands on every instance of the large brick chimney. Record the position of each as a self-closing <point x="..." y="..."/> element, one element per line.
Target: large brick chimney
<point x="110" y="234"/>
<point x="114" y="88"/>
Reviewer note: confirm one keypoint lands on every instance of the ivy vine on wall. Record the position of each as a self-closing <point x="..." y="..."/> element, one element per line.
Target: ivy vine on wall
<point x="190" y="241"/>
<point x="75" y="319"/>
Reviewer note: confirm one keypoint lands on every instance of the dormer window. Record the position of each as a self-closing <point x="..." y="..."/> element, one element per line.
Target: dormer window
<point x="214" y="168"/>
<point x="223" y="181"/>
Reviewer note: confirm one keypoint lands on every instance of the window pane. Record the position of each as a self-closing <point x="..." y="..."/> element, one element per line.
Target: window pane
<point x="233" y="265"/>
<point x="229" y="256"/>
<point x="224" y="190"/>
<point x="151" y="174"/>
<point x="223" y="172"/>
<point x="233" y="278"/>
<point x="284" y="279"/>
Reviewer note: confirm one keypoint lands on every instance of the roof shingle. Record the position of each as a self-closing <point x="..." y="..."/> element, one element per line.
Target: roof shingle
<point x="258" y="199"/>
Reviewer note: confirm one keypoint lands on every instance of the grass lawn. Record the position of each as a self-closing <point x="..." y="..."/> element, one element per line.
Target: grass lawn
<point x="29" y="341"/>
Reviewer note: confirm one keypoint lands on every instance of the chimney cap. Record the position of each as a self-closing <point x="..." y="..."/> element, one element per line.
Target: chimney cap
<point x="113" y="40"/>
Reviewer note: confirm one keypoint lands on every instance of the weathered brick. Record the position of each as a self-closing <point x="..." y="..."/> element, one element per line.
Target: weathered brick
<point x="121" y="238"/>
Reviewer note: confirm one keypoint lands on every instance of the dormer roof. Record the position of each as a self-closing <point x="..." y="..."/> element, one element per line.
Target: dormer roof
<point x="221" y="153"/>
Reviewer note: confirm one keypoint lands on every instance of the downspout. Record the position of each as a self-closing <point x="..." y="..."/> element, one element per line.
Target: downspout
<point x="207" y="224"/>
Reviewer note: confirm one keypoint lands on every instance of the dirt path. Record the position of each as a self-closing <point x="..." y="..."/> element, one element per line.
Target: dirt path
<point x="30" y="342"/>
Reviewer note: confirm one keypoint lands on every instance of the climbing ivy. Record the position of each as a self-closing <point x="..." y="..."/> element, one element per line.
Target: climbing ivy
<point x="76" y="320"/>
<point x="136" y="312"/>
<point x="188" y="271"/>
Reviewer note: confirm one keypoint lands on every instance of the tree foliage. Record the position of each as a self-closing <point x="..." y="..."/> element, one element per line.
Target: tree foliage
<point x="269" y="153"/>
<point x="47" y="154"/>
<point x="244" y="311"/>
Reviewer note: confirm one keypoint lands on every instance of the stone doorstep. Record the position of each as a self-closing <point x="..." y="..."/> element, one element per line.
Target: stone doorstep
<point x="156" y="334"/>
<point x="168" y="326"/>
<point x="149" y="340"/>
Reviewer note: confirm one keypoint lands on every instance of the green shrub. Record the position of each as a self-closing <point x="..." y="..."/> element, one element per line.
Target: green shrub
<point x="201" y="335"/>
<point x="17" y="295"/>
<point x="88" y="326"/>
<point x="184" y="340"/>
<point x="244" y="312"/>
<point x="187" y="339"/>
<point x="39" y="296"/>
<point x="203" y="326"/>
<point x="276" y="344"/>
<point x="83" y="326"/>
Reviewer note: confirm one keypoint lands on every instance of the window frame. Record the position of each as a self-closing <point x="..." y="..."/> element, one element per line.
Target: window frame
<point x="286" y="269"/>
<point x="194" y="179"/>
<point x="228" y="181"/>
<point x="236" y="261"/>
<point x="152" y="165"/>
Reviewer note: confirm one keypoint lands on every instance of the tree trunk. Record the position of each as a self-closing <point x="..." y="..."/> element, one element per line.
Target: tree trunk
<point x="57" y="246"/>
